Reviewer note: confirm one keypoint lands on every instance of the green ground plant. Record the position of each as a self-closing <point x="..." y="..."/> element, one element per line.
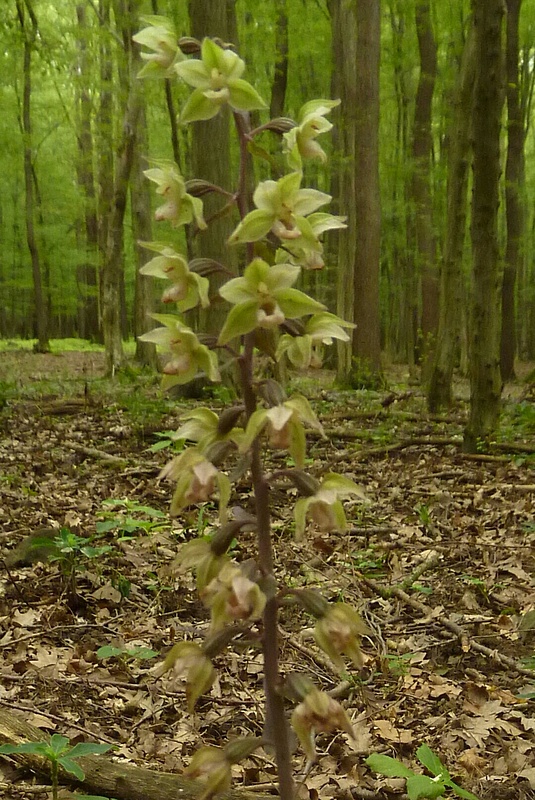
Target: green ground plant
<point x="60" y="754"/>
<point x="419" y="785"/>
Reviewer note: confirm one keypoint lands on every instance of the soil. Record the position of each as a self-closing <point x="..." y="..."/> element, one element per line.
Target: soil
<point x="438" y="560"/>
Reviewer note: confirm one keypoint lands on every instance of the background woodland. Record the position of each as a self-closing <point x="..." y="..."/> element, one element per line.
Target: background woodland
<point x="77" y="127"/>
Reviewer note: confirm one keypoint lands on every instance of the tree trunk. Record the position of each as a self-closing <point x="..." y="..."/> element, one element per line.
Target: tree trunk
<point x="514" y="206"/>
<point x="280" y="76"/>
<point x="29" y="34"/>
<point x="105" y="142"/>
<point x="485" y="379"/>
<point x="113" y="270"/>
<point x="451" y="278"/>
<point x="140" y="199"/>
<point x="88" y="323"/>
<point x="211" y="162"/>
<point x="402" y="300"/>
<point x="366" y="313"/>
<point x="422" y="151"/>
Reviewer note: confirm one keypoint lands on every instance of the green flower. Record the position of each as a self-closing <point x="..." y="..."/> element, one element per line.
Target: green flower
<point x="186" y="659"/>
<point x="318" y="713"/>
<point x="233" y="597"/>
<point x="263" y="298"/>
<point x="180" y="208"/>
<point x="159" y="37"/>
<point x="188" y="355"/>
<point x="325" y="507"/>
<point x="216" y="80"/>
<point x="188" y="289"/>
<point x="339" y="631"/>
<point x="196" y="480"/>
<point x="204" y="427"/>
<point x="320" y="329"/>
<point x="281" y="207"/>
<point x="284" y="424"/>
<point x="306" y="249"/>
<point x="210" y="765"/>
<point x="300" y="142"/>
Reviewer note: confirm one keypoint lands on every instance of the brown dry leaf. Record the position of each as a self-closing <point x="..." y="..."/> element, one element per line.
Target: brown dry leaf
<point x="392" y="734"/>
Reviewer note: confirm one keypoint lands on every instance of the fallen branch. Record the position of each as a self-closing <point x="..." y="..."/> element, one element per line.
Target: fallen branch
<point x="117" y="779"/>
<point x="95" y="453"/>
<point x="426" y="611"/>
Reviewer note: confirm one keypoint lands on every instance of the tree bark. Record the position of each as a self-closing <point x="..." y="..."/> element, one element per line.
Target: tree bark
<point x="29" y="34"/>
<point x="422" y="151"/>
<point x="514" y="206"/>
<point x="105" y="142"/>
<point x="280" y="76"/>
<point x="485" y="378"/>
<point x="344" y="57"/>
<point x="211" y="162"/>
<point x="113" y="270"/>
<point x="88" y="322"/>
<point x="366" y="312"/>
<point x="140" y="199"/>
<point x="451" y="301"/>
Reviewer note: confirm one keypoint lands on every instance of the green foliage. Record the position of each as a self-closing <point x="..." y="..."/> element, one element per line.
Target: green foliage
<point x="59" y="753"/>
<point x="363" y="376"/>
<point x="419" y="785"/>
<point x="127" y="517"/>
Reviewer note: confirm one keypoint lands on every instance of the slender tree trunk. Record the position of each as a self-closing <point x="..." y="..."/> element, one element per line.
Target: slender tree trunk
<point x="344" y="38"/>
<point x="140" y="200"/>
<point x="113" y="270"/>
<point x="422" y="151"/>
<point x="514" y="206"/>
<point x="29" y="33"/>
<point x="367" y="336"/>
<point x="280" y="77"/>
<point x="451" y="277"/>
<point x="402" y="295"/>
<point x="88" y="323"/>
<point x="105" y="142"/>
<point x="485" y="378"/>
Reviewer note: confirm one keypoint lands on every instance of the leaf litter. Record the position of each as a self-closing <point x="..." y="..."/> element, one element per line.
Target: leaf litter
<point x="439" y="561"/>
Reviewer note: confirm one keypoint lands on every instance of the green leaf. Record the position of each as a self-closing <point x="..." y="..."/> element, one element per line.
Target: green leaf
<point x="297" y="304"/>
<point x="58" y="744"/>
<point x="108" y="651"/>
<point x="424" y="786"/>
<point x="431" y="761"/>
<point x="72" y="767"/>
<point x="388" y="766"/>
<point x="89" y="749"/>
<point x="32" y="748"/>
<point x="460" y="792"/>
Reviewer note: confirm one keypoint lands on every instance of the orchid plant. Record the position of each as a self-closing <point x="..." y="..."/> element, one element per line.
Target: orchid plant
<point x="244" y="599"/>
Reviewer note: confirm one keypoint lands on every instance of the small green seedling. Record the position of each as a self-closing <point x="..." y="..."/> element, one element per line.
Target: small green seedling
<point x="125" y="655"/>
<point x="418" y="785"/>
<point x="59" y="753"/>
<point x="167" y="440"/>
<point x="126" y="517"/>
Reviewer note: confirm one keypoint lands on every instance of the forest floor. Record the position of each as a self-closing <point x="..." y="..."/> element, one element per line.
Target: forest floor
<point x="440" y="562"/>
